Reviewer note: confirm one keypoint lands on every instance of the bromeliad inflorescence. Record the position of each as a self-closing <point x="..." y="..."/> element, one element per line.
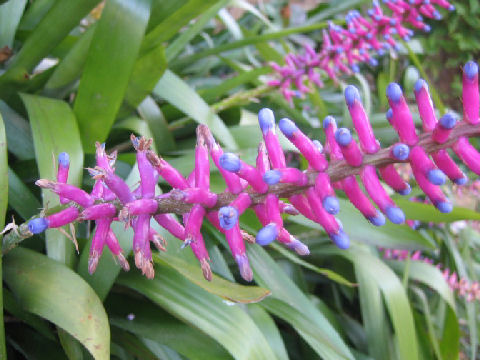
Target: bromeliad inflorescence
<point x="271" y="188"/>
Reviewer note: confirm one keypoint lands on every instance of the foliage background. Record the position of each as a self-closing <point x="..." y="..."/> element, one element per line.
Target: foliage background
<point x="79" y="71"/>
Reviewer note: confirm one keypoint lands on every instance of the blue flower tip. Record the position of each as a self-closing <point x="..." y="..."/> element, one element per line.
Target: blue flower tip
<point x="405" y="191"/>
<point x="377" y="220"/>
<point x="327" y="121"/>
<point x="381" y="52"/>
<point x="287" y="127"/>
<point x="394" y="92"/>
<point x="401" y="152"/>
<point x="448" y="121"/>
<point x="64" y="159"/>
<point x="341" y="239"/>
<point x="395" y="215"/>
<point x="355" y="68"/>
<point x="266" y="119"/>
<point x="451" y="8"/>
<point x="351" y="94"/>
<point x="389" y="114"/>
<point x="343" y="136"/>
<point x="272" y="177"/>
<point x="471" y="69"/>
<point x="373" y="62"/>
<point x="461" y="181"/>
<point x="436" y="176"/>
<point x="318" y="145"/>
<point x="427" y="28"/>
<point x="420" y="84"/>
<point x="38" y="225"/>
<point x="331" y="205"/>
<point x="444" y="206"/>
<point x="228" y="217"/>
<point x="230" y="162"/>
<point x="267" y="234"/>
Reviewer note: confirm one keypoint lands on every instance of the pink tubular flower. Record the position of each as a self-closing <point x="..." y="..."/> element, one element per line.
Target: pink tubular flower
<point x="420" y="162"/>
<point x="99" y="211"/>
<point x="171" y="175"/>
<point x="286" y="176"/>
<point x="66" y="191"/>
<point x="237" y="247"/>
<point x="444" y="128"/>
<point x="195" y="196"/>
<point x="433" y="192"/>
<point x="202" y="165"/>
<point x="425" y="105"/>
<point x="232" y="163"/>
<point x="62" y="171"/>
<point x="468" y="154"/>
<point x="470" y="95"/>
<point x="168" y="222"/>
<point x="145" y="169"/>
<point x="141" y="229"/>
<point x="63" y="217"/>
<point x="449" y="167"/>
<point x="98" y="242"/>
<point x="399" y="116"/>
<point x="394" y="180"/>
<point x="350" y="150"/>
<point x="140" y="207"/>
<point x="266" y="120"/>
<point x="114" y="247"/>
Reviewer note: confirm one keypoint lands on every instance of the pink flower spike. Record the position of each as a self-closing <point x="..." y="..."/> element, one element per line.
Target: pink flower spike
<point x="368" y="142"/>
<point x="350" y="150"/>
<point x="433" y="192"/>
<point x="468" y="154"/>
<point x="470" y="95"/>
<point x="168" y="222"/>
<point x="420" y="161"/>
<point x="425" y="105"/>
<point x="171" y="175"/>
<point x="145" y="168"/>
<point x="379" y="196"/>
<point x="326" y="193"/>
<point x="67" y="191"/>
<point x="394" y="180"/>
<point x="62" y="171"/>
<point x="361" y="201"/>
<point x="286" y="176"/>
<point x="98" y="242"/>
<point x="303" y="143"/>
<point x="444" y="128"/>
<point x="141" y="207"/>
<point x="195" y="196"/>
<point x="232" y="163"/>
<point x="141" y="229"/>
<point x="114" y="246"/>
<point x="237" y="247"/>
<point x="63" y="217"/>
<point x="331" y="146"/>
<point x="266" y="119"/>
<point x="99" y="211"/>
<point x="202" y="165"/>
<point x="400" y="116"/>
<point x="449" y="167"/>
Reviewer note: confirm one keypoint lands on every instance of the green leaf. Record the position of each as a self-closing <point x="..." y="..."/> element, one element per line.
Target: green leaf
<point x="228" y="290"/>
<point x="49" y="289"/>
<point x="3" y="210"/>
<point x="110" y="62"/>
<point x="10" y="14"/>
<point x="20" y="198"/>
<point x="179" y="94"/>
<point x="428" y="213"/>
<point x="18" y="131"/>
<point x="54" y="130"/>
<point x="152" y="114"/>
<point x="204" y="311"/>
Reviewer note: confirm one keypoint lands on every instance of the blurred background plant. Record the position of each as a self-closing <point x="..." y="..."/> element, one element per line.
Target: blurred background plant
<point x="79" y="71"/>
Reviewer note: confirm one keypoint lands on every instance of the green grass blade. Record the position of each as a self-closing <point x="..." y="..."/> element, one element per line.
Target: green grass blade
<point x="19" y="135"/>
<point x="49" y="289"/>
<point x="3" y="210"/>
<point x="10" y="14"/>
<point x="20" y="198"/>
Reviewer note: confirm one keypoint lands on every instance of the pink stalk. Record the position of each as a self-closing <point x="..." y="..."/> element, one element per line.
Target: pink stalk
<point x="400" y="116"/>
<point x="420" y="161"/>
<point x="63" y="217"/>
<point x="368" y="142"/>
<point x="171" y="175"/>
<point x="303" y="143"/>
<point x="62" y="171"/>
<point x="266" y="120"/>
<point x="468" y="154"/>
<point x="98" y="242"/>
<point x="470" y="95"/>
<point x="237" y="247"/>
<point x="425" y="105"/>
<point x="67" y="191"/>
<point x="379" y="196"/>
<point x="98" y="211"/>
<point x="449" y="167"/>
<point x="168" y="222"/>
<point x="350" y="150"/>
<point x="394" y="180"/>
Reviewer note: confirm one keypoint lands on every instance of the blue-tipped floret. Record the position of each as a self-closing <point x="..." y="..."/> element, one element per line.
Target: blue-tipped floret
<point x="394" y="92"/>
<point x="266" y="120"/>
<point x="395" y="215"/>
<point x="436" y="177"/>
<point x="351" y="94"/>
<point x="299" y="247"/>
<point x="272" y="177"/>
<point x="341" y="239"/>
<point x="471" y="69"/>
<point x="355" y="68"/>
<point x="381" y="52"/>
<point x="451" y="8"/>
<point x="331" y="205"/>
<point x="267" y="234"/>
<point x="318" y="145"/>
<point x="389" y="114"/>
<point x="377" y="220"/>
<point x="444" y="206"/>
<point x="401" y="152"/>
<point x="230" y="162"/>
<point x="64" y="159"/>
<point x="437" y="15"/>
<point x="343" y="136"/>
<point x="228" y="217"/>
<point x="373" y="62"/>
<point x="327" y="121"/>
<point x="427" y="28"/>
<point x="448" y="121"/>
<point x="461" y="181"/>
<point x="287" y="127"/>
<point x="38" y="225"/>
<point x="405" y="191"/>
<point x="420" y="84"/>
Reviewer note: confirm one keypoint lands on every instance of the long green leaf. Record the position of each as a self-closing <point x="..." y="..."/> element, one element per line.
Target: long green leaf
<point x="49" y="289"/>
<point x="20" y="198"/>
<point x="108" y="67"/>
<point x="10" y="14"/>
<point x="18" y="131"/>
<point x="428" y="213"/>
<point x="203" y="310"/>
<point x="179" y="94"/>
<point x="54" y="130"/>
<point x="3" y="210"/>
